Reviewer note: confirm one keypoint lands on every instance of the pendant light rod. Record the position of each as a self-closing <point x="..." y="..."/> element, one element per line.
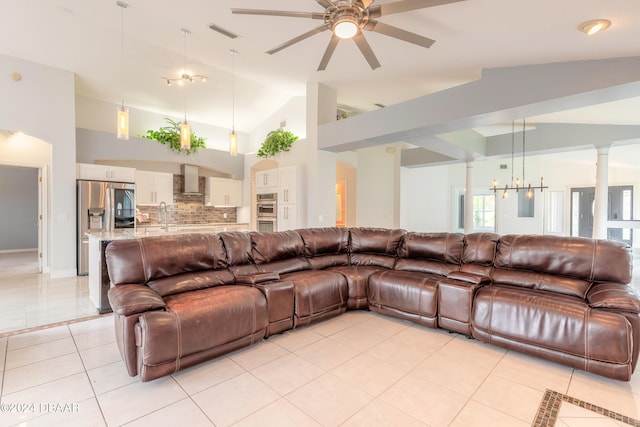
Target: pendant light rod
<point x="233" y="136"/>
<point x="517" y="187"/>
<point x="122" y="124"/>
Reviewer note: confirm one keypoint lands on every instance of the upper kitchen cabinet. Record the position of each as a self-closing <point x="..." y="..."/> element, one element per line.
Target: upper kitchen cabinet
<point x="93" y="172"/>
<point x="154" y="187"/>
<point x="267" y="181"/>
<point x="223" y="192"/>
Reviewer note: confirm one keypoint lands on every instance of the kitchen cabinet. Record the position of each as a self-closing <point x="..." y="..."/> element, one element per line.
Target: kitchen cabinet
<point x="154" y="187"/>
<point x="290" y="199"/>
<point x="223" y="192"/>
<point x="287" y="217"/>
<point x="93" y="172"/>
<point x="288" y="184"/>
<point x="267" y="181"/>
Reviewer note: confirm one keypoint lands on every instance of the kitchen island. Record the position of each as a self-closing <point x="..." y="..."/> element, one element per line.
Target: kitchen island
<point x="98" y="241"/>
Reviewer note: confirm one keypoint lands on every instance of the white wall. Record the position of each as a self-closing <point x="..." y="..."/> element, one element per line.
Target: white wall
<point x="293" y="112"/>
<point x="425" y="199"/>
<point x="378" y="187"/>
<point x="41" y="104"/>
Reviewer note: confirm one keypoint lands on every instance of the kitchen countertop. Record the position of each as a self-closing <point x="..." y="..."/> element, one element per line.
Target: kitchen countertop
<point x="156" y="230"/>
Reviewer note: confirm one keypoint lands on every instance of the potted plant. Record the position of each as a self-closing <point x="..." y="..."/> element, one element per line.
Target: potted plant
<point x="276" y="141"/>
<point x="170" y="135"/>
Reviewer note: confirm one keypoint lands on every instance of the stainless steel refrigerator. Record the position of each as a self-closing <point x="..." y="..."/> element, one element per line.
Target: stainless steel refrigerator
<point x="102" y="206"/>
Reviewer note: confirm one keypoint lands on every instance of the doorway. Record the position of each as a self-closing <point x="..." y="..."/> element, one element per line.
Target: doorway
<point x="619" y="207"/>
<point x="20" y="218"/>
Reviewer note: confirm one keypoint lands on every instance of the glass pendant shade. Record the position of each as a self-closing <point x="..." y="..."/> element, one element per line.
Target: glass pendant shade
<point x="123" y="123"/>
<point x="185" y="136"/>
<point x="233" y="143"/>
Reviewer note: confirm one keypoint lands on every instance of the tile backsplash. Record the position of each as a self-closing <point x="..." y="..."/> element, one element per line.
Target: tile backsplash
<point x="189" y="208"/>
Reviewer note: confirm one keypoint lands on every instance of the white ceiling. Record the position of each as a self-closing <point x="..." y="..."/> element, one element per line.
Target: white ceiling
<point x="83" y="36"/>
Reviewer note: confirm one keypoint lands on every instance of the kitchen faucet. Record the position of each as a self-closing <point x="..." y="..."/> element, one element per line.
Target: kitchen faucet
<point x="163" y="208"/>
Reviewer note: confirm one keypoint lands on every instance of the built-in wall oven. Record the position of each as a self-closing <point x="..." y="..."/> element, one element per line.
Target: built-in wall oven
<point x="267" y="212"/>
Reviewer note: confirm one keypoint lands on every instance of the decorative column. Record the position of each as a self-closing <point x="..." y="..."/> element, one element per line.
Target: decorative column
<point x="602" y="194"/>
<point x="468" y="200"/>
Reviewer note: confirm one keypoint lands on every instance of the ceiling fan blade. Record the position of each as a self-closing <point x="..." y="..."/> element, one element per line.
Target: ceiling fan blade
<point x="327" y="53"/>
<point x="366" y="3"/>
<point x="405" y="6"/>
<point x="299" y="38"/>
<point x="223" y="31"/>
<point x="325" y="3"/>
<point x="399" y="33"/>
<point x="366" y="50"/>
<point x="287" y="13"/>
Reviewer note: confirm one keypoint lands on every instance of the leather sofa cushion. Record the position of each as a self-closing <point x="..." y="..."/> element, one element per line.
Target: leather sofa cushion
<point x="268" y="247"/>
<point x="541" y="281"/>
<point x="199" y="321"/>
<point x="614" y="296"/>
<point x="443" y="247"/>
<point x="320" y="241"/>
<point x="150" y="258"/>
<point x="406" y="291"/>
<point x="127" y="300"/>
<point x="317" y="291"/>
<point x="426" y="266"/>
<point x="561" y="323"/>
<point x="238" y="247"/>
<point x="375" y="246"/>
<point x="480" y="248"/>
<point x="191" y="281"/>
<point x="587" y="259"/>
<point x="284" y="266"/>
<point x="326" y="247"/>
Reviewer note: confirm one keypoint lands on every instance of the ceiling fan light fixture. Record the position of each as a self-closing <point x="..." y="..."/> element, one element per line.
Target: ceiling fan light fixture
<point x="346" y="26"/>
<point x="594" y="26"/>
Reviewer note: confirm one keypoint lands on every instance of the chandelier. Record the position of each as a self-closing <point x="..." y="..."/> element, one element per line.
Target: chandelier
<point x="517" y="185"/>
<point x="185" y="76"/>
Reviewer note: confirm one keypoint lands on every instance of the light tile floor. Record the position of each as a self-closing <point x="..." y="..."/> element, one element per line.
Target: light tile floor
<point x="394" y="374"/>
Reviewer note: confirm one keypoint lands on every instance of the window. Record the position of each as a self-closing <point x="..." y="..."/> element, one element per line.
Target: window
<point x="484" y="212"/>
<point x="526" y="204"/>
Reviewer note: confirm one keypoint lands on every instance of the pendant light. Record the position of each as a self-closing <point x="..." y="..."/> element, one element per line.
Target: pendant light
<point x="233" y="136"/>
<point x="185" y="129"/>
<point x="123" y="112"/>
<point x="517" y="186"/>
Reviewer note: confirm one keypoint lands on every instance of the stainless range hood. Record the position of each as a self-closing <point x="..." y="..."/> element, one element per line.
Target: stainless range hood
<point x="190" y="174"/>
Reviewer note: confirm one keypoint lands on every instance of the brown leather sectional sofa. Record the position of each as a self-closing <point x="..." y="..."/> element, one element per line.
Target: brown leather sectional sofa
<point x="181" y="300"/>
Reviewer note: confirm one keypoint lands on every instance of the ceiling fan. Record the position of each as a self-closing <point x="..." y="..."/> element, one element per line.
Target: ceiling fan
<point x="347" y="18"/>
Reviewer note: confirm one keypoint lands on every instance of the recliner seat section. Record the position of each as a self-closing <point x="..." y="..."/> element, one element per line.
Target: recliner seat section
<point x="180" y="300"/>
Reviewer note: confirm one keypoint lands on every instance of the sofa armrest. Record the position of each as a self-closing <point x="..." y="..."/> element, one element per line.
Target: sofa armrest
<point x="615" y="296"/>
<point x="255" y="278"/>
<point x="475" y="279"/>
<point x="131" y="299"/>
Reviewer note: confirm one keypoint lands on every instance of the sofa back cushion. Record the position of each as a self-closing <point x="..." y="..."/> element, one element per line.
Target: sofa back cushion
<point x="238" y="247"/>
<point x="437" y="253"/>
<point x="191" y="281"/>
<point x="374" y="246"/>
<point x="566" y="265"/>
<point x="280" y="252"/>
<point x="479" y="253"/>
<point x="151" y="258"/>
<point x="326" y="247"/>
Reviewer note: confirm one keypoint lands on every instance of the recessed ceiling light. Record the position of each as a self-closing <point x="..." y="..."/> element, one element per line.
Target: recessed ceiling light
<point x="594" y="26"/>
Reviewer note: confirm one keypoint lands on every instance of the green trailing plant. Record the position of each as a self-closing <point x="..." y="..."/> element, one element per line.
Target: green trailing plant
<point x="170" y="135"/>
<point x="276" y="141"/>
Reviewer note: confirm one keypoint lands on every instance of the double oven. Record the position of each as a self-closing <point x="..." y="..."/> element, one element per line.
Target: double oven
<point x="267" y="212"/>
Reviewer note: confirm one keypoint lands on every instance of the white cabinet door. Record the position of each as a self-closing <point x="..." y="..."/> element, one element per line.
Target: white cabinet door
<point x="223" y="192"/>
<point x="287" y="217"/>
<point x="287" y="185"/>
<point x="105" y="173"/>
<point x="153" y="188"/>
<point x="267" y="181"/>
<point x="163" y="183"/>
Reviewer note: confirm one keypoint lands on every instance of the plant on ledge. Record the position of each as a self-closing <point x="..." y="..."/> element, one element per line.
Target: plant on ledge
<point x="276" y="141"/>
<point x="170" y="135"/>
